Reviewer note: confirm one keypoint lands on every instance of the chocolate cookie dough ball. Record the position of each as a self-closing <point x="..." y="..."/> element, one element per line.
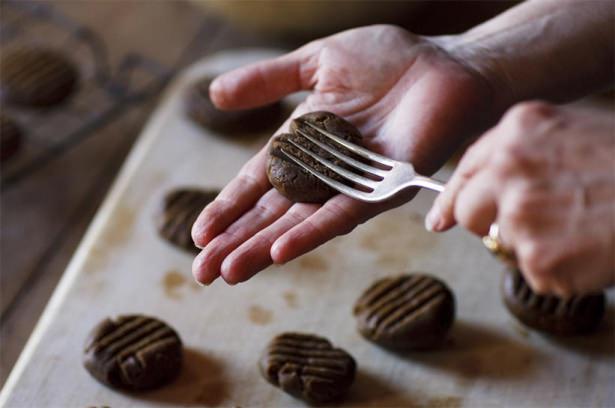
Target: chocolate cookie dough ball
<point x="10" y="138"/>
<point x="133" y="352"/>
<point x="413" y="311"/>
<point x="291" y="180"/>
<point x="551" y="314"/>
<point x="179" y="210"/>
<point x="36" y="77"/>
<point x="201" y="109"/>
<point x="308" y="367"/>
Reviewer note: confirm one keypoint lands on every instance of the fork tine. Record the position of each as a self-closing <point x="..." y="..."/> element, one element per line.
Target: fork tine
<point x="342" y="188"/>
<point x="353" y="147"/>
<point x="348" y="160"/>
<point x="337" y="169"/>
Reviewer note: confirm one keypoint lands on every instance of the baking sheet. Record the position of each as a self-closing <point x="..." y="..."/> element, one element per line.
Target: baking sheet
<point x="122" y="266"/>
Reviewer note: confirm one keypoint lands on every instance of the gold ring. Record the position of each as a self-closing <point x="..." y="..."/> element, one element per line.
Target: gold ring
<point x="494" y="244"/>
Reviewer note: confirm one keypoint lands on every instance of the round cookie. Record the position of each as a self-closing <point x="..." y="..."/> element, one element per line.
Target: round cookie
<point x="551" y="314"/>
<point x="179" y="210"/>
<point x="413" y="311"/>
<point x="201" y="109"/>
<point x="292" y="181"/>
<point x="10" y="137"/>
<point x="133" y="352"/>
<point x="308" y="367"/>
<point x="36" y="77"/>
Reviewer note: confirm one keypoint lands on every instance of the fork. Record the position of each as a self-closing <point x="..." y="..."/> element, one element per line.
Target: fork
<point x="388" y="176"/>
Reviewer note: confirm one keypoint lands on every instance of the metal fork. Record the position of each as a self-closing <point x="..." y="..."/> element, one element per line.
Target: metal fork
<point x="389" y="176"/>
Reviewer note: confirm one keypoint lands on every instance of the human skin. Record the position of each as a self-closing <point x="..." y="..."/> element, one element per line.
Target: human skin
<point x="413" y="98"/>
<point x="546" y="175"/>
<point x="373" y="77"/>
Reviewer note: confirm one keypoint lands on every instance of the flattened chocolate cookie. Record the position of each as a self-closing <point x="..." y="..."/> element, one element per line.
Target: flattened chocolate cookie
<point x="551" y="314"/>
<point x="133" y="352"/>
<point x="36" y="77"/>
<point x="201" y="109"/>
<point x="10" y="137"/>
<point x="292" y="181"/>
<point x="180" y="209"/>
<point x="308" y="367"/>
<point x="412" y="311"/>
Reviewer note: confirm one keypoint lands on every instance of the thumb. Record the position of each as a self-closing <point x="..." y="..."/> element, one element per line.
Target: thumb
<point x="266" y="81"/>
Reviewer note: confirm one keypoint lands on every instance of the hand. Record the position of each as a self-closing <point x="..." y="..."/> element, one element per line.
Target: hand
<point x="411" y="100"/>
<point x="546" y="175"/>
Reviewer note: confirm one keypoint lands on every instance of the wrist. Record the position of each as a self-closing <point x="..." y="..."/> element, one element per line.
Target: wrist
<point x="555" y="50"/>
<point x="477" y="57"/>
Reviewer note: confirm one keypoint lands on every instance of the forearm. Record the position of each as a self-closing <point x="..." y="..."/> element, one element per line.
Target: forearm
<point x="556" y="50"/>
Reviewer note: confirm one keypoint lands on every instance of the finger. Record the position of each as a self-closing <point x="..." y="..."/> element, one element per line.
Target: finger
<point x="266" y="81"/>
<point x="271" y="206"/>
<point x="595" y="282"/>
<point x="475" y="207"/>
<point x="236" y="198"/>
<point x="538" y="284"/>
<point x="561" y="289"/>
<point x="556" y="275"/>
<point x="254" y="254"/>
<point x="239" y="195"/>
<point x="338" y="216"/>
<point x="441" y="216"/>
<point x="558" y="262"/>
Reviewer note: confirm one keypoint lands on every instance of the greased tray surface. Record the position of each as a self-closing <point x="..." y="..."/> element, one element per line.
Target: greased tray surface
<point x="122" y="266"/>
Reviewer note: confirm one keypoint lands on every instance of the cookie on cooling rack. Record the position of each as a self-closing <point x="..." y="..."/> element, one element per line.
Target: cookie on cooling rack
<point x="36" y="77"/>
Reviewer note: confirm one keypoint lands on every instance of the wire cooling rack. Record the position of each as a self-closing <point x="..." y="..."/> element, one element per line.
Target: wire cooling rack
<point x="104" y="92"/>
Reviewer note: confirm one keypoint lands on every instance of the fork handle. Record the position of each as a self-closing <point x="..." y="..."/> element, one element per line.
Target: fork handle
<point x="428" y="183"/>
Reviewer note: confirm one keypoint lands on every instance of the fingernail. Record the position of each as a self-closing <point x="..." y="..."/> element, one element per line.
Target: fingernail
<point x="215" y="85"/>
<point x="433" y="221"/>
<point x="205" y="281"/>
<point x="197" y="235"/>
<point x="198" y="272"/>
<point x="225" y="271"/>
<point x="228" y="281"/>
<point x="216" y="92"/>
<point x="275" y="254"/>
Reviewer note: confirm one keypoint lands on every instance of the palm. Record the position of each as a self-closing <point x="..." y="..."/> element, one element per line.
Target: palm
<point x="409" y="99"/>
<point x="388" y="82"/>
